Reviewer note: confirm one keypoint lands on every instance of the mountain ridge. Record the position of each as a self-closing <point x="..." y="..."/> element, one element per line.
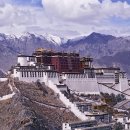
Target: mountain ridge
<point x="91" y="39"/>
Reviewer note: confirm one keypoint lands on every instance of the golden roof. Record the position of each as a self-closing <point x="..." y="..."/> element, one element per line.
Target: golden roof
<point x="43" y="50"/>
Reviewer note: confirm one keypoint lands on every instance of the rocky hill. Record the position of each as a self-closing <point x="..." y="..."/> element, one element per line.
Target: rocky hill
<point x="33" y="107"/>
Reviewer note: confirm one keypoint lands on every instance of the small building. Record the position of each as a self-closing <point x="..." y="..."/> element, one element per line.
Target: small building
<point x="100" y="117"/>
<point x="98" y="127"/>
<point x="84" y="106"/>
<point x="86" y="125"/>
<point x="106" y="70"/>
<point x="124" y="119"/>
<point x="107" y="75"/>
<point x="78" y="125"/>
<point x="25" y="60"/>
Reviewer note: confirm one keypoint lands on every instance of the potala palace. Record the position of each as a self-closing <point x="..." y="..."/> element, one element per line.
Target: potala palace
<point x="76" y="72"/>
<point x="70" y="75"/>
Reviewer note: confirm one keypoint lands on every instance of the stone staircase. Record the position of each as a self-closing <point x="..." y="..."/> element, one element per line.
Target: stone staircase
<point x="67" y="102"/>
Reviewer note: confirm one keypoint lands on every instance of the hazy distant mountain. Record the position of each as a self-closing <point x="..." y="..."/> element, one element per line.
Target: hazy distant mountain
<point x="119" y="59"/>
<point x="93" y="38"/>
<point x="98" y="45"/>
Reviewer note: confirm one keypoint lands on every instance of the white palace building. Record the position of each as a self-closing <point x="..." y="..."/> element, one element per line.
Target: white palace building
<point x="90" y="80"/>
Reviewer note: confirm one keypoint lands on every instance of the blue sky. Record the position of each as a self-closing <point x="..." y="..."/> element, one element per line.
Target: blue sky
<point x="64" y="18"/>
<point x="128" y="1"/>
<point x="37" y="3"/>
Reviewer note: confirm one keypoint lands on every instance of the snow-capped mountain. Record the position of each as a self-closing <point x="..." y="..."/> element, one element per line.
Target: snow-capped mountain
<point x="56" y="40"/>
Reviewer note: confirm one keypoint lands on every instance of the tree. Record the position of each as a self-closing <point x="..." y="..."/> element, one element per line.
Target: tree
<point x="112" y="99"/>
<point x="120" y="97"/>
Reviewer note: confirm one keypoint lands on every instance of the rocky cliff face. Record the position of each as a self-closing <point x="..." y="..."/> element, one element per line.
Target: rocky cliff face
<point x="34" y="107"/>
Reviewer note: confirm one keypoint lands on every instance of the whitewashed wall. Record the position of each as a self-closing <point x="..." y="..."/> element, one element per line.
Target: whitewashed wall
<point x="44" y="77"/>
<point x="77" y="82"/>
<point x="81" y="83"/>
<point x="106" y="80"/>
<point x="123" y="84"/>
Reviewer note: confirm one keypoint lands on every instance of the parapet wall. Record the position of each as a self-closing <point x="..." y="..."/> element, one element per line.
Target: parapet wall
<point x="33" y="76"/>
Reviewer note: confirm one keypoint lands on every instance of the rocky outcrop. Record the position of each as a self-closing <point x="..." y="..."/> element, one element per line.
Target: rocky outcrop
<point x="4" y="89"/>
